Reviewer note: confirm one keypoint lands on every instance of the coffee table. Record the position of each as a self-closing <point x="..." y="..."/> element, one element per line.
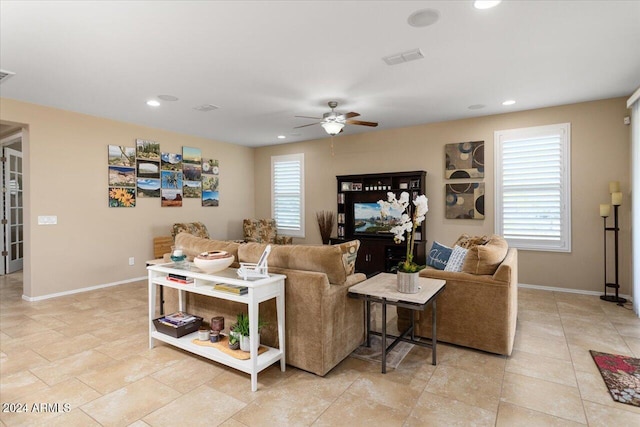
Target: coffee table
<point x="382" y="289"/>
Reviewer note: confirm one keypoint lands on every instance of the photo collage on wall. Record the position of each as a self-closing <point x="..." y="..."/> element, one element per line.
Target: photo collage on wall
<point x="144" y="171"/>
<point x="464" y="161"/>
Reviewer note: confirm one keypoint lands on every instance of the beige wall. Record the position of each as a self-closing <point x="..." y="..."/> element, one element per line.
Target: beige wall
<point x="66" y="175"/>
<point x="600" y="150"/>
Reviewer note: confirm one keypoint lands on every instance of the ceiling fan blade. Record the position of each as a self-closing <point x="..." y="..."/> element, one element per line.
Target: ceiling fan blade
<point x="351" y="114"/>
<point x="304" y="126"/>
<point x="361" y="123"/>
<point x="307" y="117"/>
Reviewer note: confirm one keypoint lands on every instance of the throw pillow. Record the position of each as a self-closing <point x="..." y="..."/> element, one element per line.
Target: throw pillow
<point x="349" y="255"/>
<point x="466" y="241"/>
<point x="485" y="259"/>
<point x="438" y="256"/>
<point x="456" y="260"/>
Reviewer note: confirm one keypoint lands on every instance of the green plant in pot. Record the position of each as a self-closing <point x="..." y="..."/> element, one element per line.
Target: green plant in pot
<point x="242" y="329"/>
<point x="234" y="340"/>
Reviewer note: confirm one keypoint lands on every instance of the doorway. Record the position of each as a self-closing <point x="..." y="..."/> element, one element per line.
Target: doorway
<point x="12" y="215"/>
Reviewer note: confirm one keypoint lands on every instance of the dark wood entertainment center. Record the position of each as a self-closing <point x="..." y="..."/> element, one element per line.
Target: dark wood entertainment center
<point x="378" y="252"/>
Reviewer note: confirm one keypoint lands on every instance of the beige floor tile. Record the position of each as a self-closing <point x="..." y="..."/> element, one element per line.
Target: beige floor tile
<point x="27" y="327"/>
<point x="555" y="347"/>
<point x="74" y="418"/>
<point x="375" y="387"/>
<point x="202" y="406"/>
<point x="33" y="341"/>
<point x="434" y="410"/>
<point x="593" y="389"/>
<point x="139" y="423"/>
<point x="126" y="346"/>
<point x="63" y="369"/>
<point x="573" y="324"/>
<point x="232" y="423"/>
<point x="12" y="362"/>
<point x="238" y="384"/>
<point x="468" y="387"/>
<point x="539" y="329"/>
<point x="610" y="343"/>
<point x="128" y="404"/>
<point x="605" y="416"/>
<point x="351" y="410"/>
<point x="120" y="373"/>
<point x="541" y="306"/>
<point x="68" y="347"/>
<point x="581" y="358"/>
<point x="166" y="354"/>
<point x="329" y="388"/>
<point x="188" y="374"/>
<point x="633" y="344"/>
<point x="539" y="317"/>
<point x="275" y="408"/>
<point x="545" y="368"/>
<point x="472" y="360"/>
<point x="628" y="330"/>
<point x="516" y="416"/>
<point x="22" y="383"/>
<point x="543" y="396"/>
<point x="71" y="392"/>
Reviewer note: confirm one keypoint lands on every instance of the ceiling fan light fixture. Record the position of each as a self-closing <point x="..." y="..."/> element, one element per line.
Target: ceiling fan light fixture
<point x="486" y="4"/>
<point x="332" y="128"/>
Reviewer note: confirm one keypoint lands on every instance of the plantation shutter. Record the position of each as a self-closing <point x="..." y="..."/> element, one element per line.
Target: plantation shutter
<point x="287" y="197"/>
<point x="532" y="179"/>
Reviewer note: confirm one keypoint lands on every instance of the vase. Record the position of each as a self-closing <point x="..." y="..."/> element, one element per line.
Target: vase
<point x="245" y="344"/>
<point x="408" y="282"/>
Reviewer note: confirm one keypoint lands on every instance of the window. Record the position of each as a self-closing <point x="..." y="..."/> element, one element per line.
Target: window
<point x="533" y="187"/>
<point x="287" y="194"/>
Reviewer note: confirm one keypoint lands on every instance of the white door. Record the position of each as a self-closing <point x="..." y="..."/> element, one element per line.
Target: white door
<point x="13" y="219"/>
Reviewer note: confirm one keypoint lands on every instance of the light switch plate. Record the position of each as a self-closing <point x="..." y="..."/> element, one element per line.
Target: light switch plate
<point x="47" y="219"/>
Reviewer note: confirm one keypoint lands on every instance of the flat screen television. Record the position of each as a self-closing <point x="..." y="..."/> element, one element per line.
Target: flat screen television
<point x="367" y="219"/>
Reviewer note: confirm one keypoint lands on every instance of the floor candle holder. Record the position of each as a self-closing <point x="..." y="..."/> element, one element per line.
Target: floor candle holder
<point x="616" y="285"/>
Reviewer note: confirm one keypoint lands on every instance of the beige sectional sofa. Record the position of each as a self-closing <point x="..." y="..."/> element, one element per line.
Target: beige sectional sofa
<point x="479" y="305"/>
<point x="322" y="324"/>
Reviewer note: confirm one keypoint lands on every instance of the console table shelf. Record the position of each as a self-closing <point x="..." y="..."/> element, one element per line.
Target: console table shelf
<point x="203" y="284"/>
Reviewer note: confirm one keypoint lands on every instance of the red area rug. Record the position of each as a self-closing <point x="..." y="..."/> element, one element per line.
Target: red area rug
<point x="621" y="374"/>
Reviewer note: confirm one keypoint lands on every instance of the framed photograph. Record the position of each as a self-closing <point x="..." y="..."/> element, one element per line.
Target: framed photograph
<point x="340" y="198"/>
<point x="346" y="186"/>
<point x="356" y="186"/>
<point x="404" y="185"/>
<point x="340" y="218"/>
<point x="415" y="183"/>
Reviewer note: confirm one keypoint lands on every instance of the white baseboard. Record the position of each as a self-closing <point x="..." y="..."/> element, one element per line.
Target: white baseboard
<point x="567" y="290"/>
<point x="77" y="291"/>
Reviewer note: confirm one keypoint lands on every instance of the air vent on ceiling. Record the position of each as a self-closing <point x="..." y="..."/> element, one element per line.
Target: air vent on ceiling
<point x="399" y="58"/>
<point x="4" y="75"/>
<point x="206" y="107"/>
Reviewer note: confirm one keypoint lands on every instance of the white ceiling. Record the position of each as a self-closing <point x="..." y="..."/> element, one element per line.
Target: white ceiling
<point x="264" y="62"/>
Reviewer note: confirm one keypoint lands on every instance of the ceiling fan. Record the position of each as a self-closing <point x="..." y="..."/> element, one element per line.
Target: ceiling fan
<point x="333" y="122"/>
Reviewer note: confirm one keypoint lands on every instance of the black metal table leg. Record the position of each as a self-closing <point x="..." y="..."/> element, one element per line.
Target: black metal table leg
<point x="434" y="339"/>
<point x="384" y="335"/>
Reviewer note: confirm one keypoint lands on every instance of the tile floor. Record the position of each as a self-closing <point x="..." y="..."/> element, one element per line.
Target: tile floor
<point x="71" y="351"/>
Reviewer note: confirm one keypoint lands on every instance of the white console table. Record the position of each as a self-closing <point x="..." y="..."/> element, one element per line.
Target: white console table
<point x="259" y="290"/>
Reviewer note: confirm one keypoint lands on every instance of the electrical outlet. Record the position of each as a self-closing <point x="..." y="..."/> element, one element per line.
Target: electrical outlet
<point x="132" y="260"/>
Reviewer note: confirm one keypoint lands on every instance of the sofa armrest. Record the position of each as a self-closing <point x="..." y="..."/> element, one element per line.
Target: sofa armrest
<point x="508" y="270"/>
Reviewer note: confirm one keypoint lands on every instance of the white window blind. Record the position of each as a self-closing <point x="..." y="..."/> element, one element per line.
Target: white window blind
<point x="533" y="189"/>
<point x="287" y="201"/>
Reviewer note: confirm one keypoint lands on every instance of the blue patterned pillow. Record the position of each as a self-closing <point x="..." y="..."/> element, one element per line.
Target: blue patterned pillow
<point x="438" y="256"/>
<point x="456" y="260"/>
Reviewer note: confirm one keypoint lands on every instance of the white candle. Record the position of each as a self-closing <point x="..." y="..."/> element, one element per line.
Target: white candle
<point x="616" y="198"/>
<point x="614" y="186"/>
<point x="177" y="252"/>
<point x="605" y="210"/>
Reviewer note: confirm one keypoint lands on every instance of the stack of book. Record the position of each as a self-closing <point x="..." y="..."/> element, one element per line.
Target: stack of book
<point x="233" y="289"/>
<point x="179" y="278"/>
<point x="178" y="324"/>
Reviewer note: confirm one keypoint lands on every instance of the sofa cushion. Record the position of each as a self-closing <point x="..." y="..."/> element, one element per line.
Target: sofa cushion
<point x="438" y="256"/>
<point x="485" y="259"/>
<point x="456" y="260"/>
<point x="193" y="246"/>
<point x="320" y="258"/>
<point x="349" y="254"/>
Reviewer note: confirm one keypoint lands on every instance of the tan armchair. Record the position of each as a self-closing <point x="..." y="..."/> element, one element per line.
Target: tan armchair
<point x="263" y="231"/>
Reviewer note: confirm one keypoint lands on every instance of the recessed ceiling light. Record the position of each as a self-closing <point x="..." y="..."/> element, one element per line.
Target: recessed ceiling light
<point x="153" y="103"/>
<point x="476" y="106"/>
<point x="281" y="137"/>
<point x="509" y="102"/>
<point x="168" y="97"/>
<point x="423" y="18"/>
<point x="486" y="4"/>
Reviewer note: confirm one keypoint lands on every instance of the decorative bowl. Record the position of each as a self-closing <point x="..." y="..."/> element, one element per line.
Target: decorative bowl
<point x="213" y="261"/>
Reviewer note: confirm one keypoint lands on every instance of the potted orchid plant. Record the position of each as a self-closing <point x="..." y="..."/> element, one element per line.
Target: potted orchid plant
<point x="406" y="231"/>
